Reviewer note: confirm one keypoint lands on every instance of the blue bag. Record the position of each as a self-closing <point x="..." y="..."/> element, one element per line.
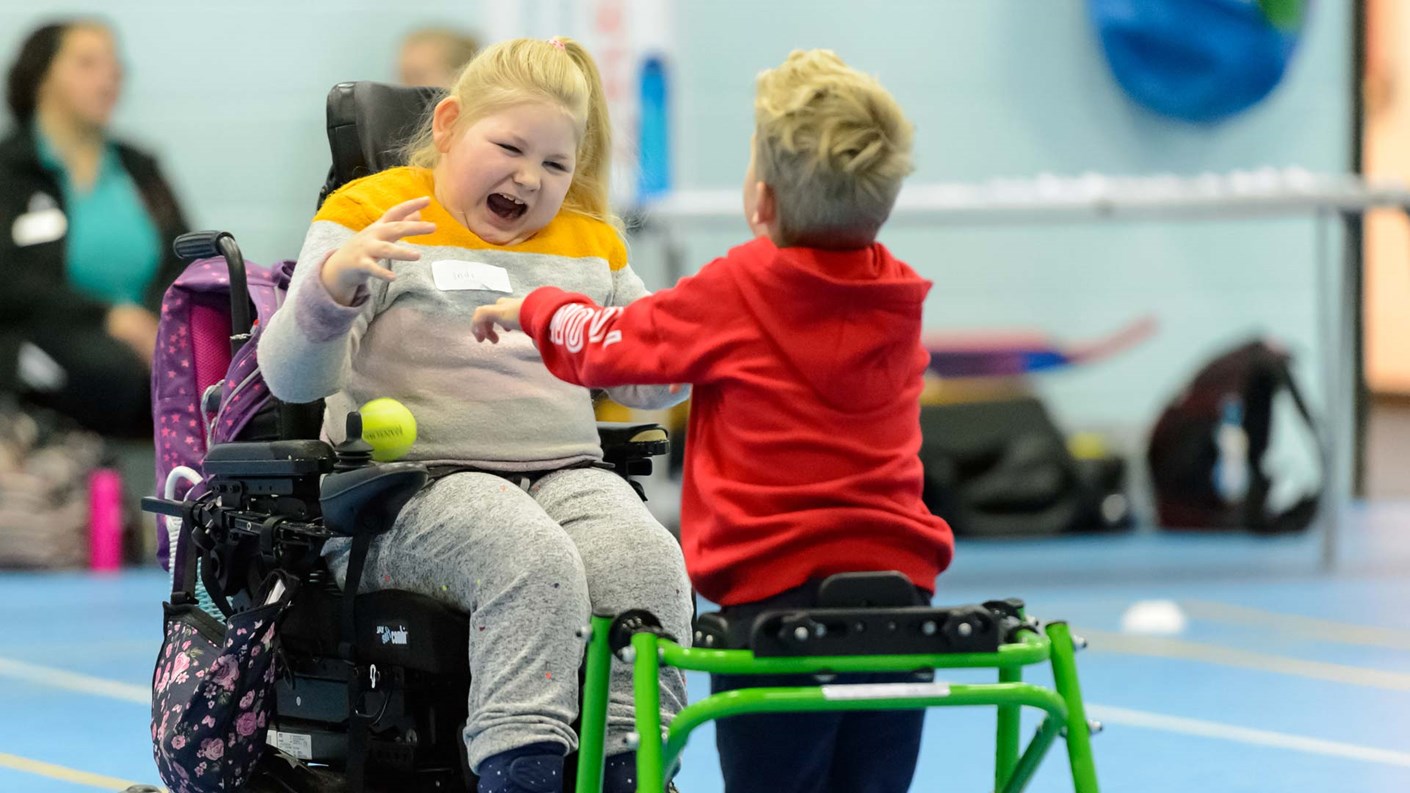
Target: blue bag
<point x="1198" y="60"/>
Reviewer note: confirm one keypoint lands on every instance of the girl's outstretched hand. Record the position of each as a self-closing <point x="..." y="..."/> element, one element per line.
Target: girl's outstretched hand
<point x="358" y="259"/>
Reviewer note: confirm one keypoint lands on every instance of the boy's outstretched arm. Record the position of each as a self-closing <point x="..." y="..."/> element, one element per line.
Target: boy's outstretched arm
<point x="672" y="336"/>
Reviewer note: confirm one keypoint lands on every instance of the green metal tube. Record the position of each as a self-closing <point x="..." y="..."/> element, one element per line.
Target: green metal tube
<point x="1006" y="732"/>
<point x="1032" y="756"/>
<point x="1029" y="649"/>
<point x="837" y="698"/>
<point x="1079" y="745"/>
<point x="646" y="688"/>
<point x="596" y="682"/>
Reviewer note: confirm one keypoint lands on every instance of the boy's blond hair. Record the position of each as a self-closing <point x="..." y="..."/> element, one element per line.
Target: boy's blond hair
<point x="557" y="71"/>
<point x="833" y="145"/>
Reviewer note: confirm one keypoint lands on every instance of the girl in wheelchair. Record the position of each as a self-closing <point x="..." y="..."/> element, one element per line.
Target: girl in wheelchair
<point x="522" y="528"/>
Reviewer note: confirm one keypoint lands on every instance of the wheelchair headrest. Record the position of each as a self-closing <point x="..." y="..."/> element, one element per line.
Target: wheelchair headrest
<point x="368" y="125"/>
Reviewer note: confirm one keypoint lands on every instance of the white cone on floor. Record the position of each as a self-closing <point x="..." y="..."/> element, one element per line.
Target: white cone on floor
<point x="1154" y="618"/>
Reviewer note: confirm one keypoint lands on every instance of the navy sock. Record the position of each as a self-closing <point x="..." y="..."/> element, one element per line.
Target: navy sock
<point x="536" y="768"/>
<point x="619" y="774"/>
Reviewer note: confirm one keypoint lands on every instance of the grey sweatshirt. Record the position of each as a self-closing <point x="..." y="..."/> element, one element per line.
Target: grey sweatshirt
<point x="492" y="406"/>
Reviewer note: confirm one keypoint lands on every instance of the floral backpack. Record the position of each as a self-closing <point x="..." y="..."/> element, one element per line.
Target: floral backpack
<point x="213" y="686"/>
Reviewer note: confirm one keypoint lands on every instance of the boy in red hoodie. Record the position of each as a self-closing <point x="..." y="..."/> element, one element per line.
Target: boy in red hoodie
<point x="803" y="349"/>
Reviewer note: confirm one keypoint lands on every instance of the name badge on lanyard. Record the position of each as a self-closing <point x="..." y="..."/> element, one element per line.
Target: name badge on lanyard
<point x="44" y="222"/>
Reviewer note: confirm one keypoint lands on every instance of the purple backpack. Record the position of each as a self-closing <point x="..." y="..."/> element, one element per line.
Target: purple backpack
<point x="202" y="392"/>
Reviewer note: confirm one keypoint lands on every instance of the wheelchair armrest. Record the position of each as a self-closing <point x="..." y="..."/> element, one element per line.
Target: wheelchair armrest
<point x="630" y="447"/>
<point x="647" y="440"/>
<point x="369" y="499"/>
<point x="244" y="459"/>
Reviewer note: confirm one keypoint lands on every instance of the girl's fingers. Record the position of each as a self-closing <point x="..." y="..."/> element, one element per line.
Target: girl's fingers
<point x="378" y="271"/>
<point x="389" y="250"/>
<point x="391" y="232"/>
<point x="405" y="209"/>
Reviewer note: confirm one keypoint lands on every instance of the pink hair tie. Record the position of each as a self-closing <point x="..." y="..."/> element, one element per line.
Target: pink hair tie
<point x="555" y="42"/>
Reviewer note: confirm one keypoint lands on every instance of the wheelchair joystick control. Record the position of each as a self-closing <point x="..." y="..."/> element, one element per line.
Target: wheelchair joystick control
<point x="353" y="452"/>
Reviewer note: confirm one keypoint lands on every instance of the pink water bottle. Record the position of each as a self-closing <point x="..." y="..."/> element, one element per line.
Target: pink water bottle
<point x="105" y="520"/>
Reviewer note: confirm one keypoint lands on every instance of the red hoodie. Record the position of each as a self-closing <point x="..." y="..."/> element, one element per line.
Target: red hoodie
<point x="804" y="428"/>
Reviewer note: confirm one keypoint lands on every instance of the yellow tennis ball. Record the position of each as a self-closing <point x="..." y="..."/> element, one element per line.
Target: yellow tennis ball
<point x="388" y="427"/>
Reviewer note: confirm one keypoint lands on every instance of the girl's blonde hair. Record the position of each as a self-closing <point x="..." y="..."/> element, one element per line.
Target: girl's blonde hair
<point x="558" y="71"/>
<point x="833" y="145"/>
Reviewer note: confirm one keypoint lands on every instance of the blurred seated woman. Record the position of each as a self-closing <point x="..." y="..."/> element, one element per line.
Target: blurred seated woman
<point x="86" y="225"/>
<point x="434" y="56"/>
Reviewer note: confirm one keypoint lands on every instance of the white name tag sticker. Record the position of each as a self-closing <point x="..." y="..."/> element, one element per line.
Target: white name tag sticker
<point x="34" y="228"/>
<point x="885" y="691"/>
<point x="453" y="275"/>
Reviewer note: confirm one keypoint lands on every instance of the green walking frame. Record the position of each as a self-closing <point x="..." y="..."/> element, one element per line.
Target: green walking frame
<point x="659" y="746"/>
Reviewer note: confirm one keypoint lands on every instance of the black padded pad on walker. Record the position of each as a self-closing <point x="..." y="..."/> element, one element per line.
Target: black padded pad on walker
<point x="867" y="589"/>
<point x="875" y="631"/>
<point x="877" y="613"/>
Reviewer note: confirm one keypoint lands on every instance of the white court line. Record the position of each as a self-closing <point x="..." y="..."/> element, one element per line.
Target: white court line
<point x="1166" y="647"/>
<point x="1110" y="714"/>
<point x="73" y="681"/>
<point x="1297" y="625"/>
<point x="73" y="775"/>
<point x="1246" y="735"/>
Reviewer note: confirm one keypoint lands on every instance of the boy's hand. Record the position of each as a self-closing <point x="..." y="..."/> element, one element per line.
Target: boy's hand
<point x="505" y="313"/>
<point x="357" y="260"/>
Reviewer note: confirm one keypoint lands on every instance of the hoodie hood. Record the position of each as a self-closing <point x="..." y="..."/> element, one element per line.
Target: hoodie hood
<point x="848" y="321"/>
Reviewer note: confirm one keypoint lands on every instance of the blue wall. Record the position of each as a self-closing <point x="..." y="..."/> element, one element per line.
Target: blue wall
<point x="232" y="94"/>
<point x="1015" y="89"/>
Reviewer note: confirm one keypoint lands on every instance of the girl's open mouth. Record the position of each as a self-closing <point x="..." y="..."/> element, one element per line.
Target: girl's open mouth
<point x="506" y="206"/>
